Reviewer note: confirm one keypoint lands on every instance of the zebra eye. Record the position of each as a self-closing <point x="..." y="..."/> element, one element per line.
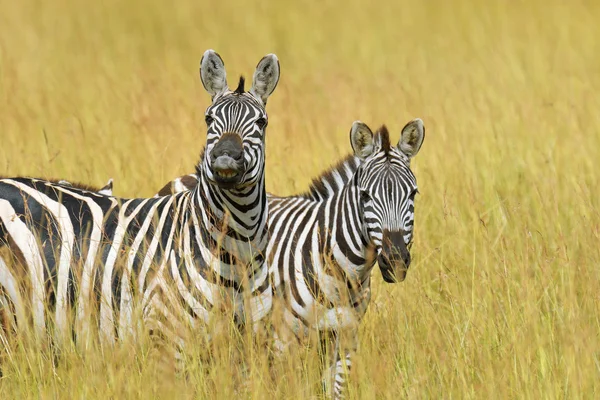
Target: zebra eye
<point x="364" y="196"/>
<point x="261" y="123"/>
<point x="209" y="120"/>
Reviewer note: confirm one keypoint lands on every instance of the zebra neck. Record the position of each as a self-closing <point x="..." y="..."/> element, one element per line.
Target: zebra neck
<point x="348" y="239"/>
<point x="242" y="211"/>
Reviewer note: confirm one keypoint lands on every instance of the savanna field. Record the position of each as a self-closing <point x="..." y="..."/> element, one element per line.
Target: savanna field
<point x="502" y="299"/>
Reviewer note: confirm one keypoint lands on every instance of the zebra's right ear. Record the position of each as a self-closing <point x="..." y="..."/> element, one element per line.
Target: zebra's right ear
<point x="361" y="138"/>
<point x="212" y="73"/>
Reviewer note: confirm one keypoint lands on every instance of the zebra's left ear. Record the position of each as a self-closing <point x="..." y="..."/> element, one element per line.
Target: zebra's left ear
<point x="265" y="77"/>
<point x="361" y="138"/>
<point x="412" y="138"/>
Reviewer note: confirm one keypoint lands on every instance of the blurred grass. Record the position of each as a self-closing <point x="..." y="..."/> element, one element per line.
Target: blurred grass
<point x="502" y="300"/>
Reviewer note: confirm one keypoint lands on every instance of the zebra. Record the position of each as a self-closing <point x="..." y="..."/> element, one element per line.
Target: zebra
<point x="175" y="260"/>
<point x="324" y="243"/>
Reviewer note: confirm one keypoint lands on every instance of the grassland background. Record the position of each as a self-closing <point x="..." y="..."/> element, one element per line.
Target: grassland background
<point x="502" y="300"/>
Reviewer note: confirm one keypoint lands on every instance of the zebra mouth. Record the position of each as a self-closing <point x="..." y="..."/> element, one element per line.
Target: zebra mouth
<point x="226" y="178"/>
<point x="394" y="257"/>
<point x="226" y="174"/>
<point x="392" y="273"/>
<point x="227" y="171"/>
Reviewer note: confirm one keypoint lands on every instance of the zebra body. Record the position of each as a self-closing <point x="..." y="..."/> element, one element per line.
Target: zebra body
<point x="175" y="259"/>
<point x="324" y="243"/>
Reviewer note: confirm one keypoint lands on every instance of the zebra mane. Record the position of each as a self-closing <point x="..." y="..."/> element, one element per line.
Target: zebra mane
<point x="333" y="179"/>
<point x="384" y="139"/>
<point x="198" y="166"/>
<point x="240" y="89"/>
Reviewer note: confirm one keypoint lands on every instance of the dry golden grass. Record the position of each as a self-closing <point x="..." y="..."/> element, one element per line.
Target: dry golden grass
<point x="502" y="300"/>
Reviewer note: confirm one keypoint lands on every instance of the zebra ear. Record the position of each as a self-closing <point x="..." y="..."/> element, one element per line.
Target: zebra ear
<point x="361" y="138"/>
<point x="107" y="189"/>
<point x="265" y="77"/>
<point x="412" y="138"/>
<point x="212" y="73"/>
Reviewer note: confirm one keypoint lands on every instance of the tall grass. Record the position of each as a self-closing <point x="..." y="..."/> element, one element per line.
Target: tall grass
<point x="503" y="297"/>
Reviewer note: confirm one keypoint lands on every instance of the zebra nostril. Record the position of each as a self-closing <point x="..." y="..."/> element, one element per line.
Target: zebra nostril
<point x="406" y="260"/>
<point x="217" y="154"/>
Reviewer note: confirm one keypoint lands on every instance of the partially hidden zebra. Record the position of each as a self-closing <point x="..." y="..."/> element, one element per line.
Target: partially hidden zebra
<point x="176" y="260"/>
<point x="324" y="243"/>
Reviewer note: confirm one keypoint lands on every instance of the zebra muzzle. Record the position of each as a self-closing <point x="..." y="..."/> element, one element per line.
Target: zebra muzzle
<point x="227" y="160"/>
<point x="226" y="171"/>
<point x="394" y="257"/>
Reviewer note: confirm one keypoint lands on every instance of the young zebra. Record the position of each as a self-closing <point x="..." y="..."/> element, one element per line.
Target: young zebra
<point x="175" y="259"/>
<point x="324" y="243"/>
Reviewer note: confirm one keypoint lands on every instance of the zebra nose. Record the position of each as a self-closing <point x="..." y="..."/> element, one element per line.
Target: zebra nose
<point x="397" y="252"/>
<point x="230" y="145"/>
<point x="406" y="258"/>
<point x="394" y="258"/>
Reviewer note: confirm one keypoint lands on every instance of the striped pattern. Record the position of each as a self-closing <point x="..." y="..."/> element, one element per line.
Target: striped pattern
<point x="324" y="243"/>
<point x="175" y="260"/>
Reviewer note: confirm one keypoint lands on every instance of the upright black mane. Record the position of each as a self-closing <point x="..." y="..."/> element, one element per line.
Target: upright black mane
<point x="384" y="139"/>
<point x="240" y="89"/>
<point x="334" y="178"/>
<point x="324" y="185"/>
<point x="198" y="166"/>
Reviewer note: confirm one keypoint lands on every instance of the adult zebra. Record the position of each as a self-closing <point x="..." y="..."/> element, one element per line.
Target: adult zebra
<point x="324" y="243"/>
<point x="176" y="259"/>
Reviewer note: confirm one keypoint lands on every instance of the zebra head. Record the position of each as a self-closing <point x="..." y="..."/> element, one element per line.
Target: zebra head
<point x="387" y="189"/>
<point x="236" y="120"/>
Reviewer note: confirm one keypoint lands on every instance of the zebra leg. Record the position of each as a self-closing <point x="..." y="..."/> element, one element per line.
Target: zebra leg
<point x="166" y="336"/>
<point x="281" y="335"/>
<point x="337" y="368"/>
<point x="279" y="346"/>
